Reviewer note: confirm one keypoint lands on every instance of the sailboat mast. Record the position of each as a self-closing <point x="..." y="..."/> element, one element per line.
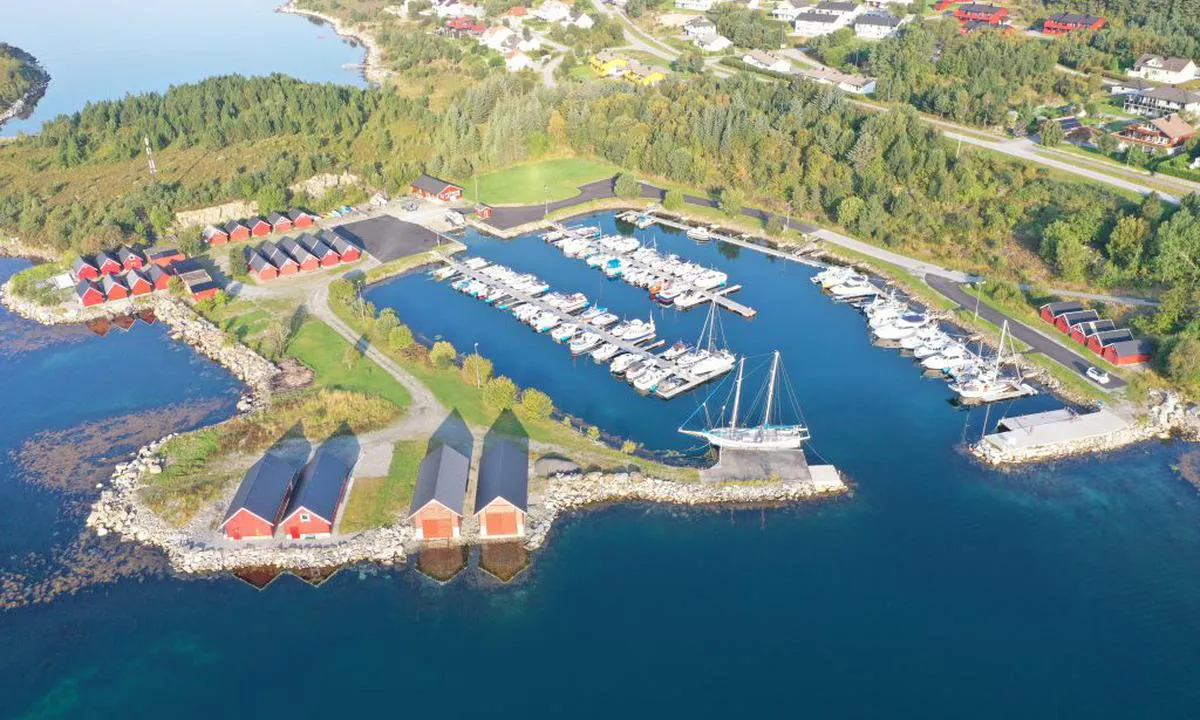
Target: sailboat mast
<point x="771" y="390"/>
<point x="1000" y="350"/>
<point x="737" y="394"/>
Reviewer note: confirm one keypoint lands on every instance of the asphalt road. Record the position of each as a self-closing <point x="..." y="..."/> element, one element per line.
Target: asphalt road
<point x="1040" y="343"/>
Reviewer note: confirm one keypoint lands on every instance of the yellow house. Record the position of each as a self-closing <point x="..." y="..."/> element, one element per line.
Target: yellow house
<point x="642" y="75"/>
<point x="608" y="64"/>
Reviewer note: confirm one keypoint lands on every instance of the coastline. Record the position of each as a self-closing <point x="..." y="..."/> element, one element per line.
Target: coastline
<point x="29" y="100"/>
<point x="373" y="68"/>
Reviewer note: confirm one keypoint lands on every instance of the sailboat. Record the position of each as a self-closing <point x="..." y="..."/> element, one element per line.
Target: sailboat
<point x="764" y="436"/>
<point x="988" y="384"/>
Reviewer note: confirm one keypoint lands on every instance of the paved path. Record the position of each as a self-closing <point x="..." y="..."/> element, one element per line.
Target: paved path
<point x="1042" y="343"/>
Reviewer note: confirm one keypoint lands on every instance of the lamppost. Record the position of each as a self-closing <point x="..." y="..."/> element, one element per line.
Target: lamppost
<point x="546" y="196"/>
<point x="478" y="380"/>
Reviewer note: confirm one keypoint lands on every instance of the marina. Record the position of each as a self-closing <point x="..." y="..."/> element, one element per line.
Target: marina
<point x="627" y="346"/>
<point x="670" y="280"/>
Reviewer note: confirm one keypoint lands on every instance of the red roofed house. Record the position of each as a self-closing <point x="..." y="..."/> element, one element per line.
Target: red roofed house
<point x="113" y="288"/>
<point x="1127" y="352"/>
<point x="430" y="187"/>
<point x="89" y="293"/>
<point x="258" y="227"/>
<point x="237" y="231"/>
<point x="943" y="4"/>
<point x="214" y="235"/>
<point x="164" y="256"/>
<point x="107" y="264"/>
<point x="280" y="223"/>
<point x="1064" y="23"/>
<point x="465" y="25"/>
<point x="1051" y="311"/>
<point x="990" y="14"/>
<point x="137" y="284"/>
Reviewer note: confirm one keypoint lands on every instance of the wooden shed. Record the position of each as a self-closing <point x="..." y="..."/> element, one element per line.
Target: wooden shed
<point x="1098" y="341"/>
<point x="213" y="235"/>
<point x="280" y="223"/>
<point x="106" y="264"/>
<point x="304" y="259"/>
<point x="321" y="489"/>
<point x="502" y="491"/>
<point x="258" y="227"/>
<point x="284" y="263"/>
<point x="325" y="255"/>
<point x="137" y="283"/>
<point x="263" y="495"/>
<point x="129" y="258"/>
<point x="1051" y="311"/>
<point x="440" y="494"/>
<point x="84" y="269"/>
<point x="237" y="231"/>
<point x="260" y="267"/>
<point x="1065" y="321"/>
<point x="89" y="293"/>
<point x="1128" y="352"/>
<point x="113" y="287"/>
<point x="301" y="218"/>
<point x="346" y="250"/>
<point x="1080" y="332"/>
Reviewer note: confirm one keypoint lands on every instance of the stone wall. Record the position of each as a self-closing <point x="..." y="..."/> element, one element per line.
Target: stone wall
<point x="318" y="186"/>
<point x="216" y="214"/>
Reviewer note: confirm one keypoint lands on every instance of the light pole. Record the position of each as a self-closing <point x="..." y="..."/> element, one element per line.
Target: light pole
<point x="546" y="196"/>
<point x="788" y="218"/>
<point x="478" y="381"/>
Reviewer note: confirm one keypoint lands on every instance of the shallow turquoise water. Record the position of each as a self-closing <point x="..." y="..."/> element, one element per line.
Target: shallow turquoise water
<point x="939" y="590"/>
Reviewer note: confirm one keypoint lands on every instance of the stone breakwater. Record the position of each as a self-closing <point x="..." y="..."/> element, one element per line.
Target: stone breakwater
<point x="1167" y="417"/>
<point x="373" y="68"/>
<point x="574" y="491"/>
<point x="119" y="510"/>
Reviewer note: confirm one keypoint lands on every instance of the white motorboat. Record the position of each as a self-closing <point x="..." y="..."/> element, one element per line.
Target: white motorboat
<point x="603" y="320"/>
<point x="933" y="347"/>
<point x="857" y="286"/>
<point x="833" y="276"/>
<point x="643" y="222"/>
<point x="546" y="321"/>
<point x="591" y="313"/>
<point x="699" y="233"/>
<point x="952" y="356"/>
<point x="710" y="280"/>
<point x="444" y="272"/>
<point x="902" y="327"/>
<point x="565" y="332"/>
<point x="476" y="263"/>
<point x="584" y="343"/>
<point x="622" y="362"/>
<point x="717" y="363"/>
<point x="634" y="371"/>
<point x="679" y="348"/>
<point x="605" y="352"/>
<point x="688" y="299"/>
<point x="526" y="313"/>
<point x="638" y="331"/>
<point x="924" y="336"/>
<point x="669" y="385"/>
<point x="650" y="379"/>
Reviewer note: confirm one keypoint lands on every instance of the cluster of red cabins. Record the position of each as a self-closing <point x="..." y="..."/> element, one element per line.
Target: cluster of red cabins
<point x="303" y="253"/>
<point x="973" y="16"/>
<point x="242" y="230"/>
<point x="1102" y="336"/>
<point x="123" y="274"/>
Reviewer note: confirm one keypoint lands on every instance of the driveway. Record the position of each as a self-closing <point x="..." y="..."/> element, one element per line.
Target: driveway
<point x="1052" y="349"/>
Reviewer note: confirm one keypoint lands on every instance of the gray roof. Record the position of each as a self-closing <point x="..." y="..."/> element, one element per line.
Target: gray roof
<point x="295" y="249"/>
<point x="102" y="257"/>
<point x="211" y="230"/>
<point x="1098" y="326"/>
<point x="1109" y="337"/>
<point x="233" y="225"/>
<point x="275" y="254"/>
<point x="1073" y="19"/>
<point x="1135" y="83"/>
<point x="267" y="485"/>
<point x="699" y="21"/>
<point x="296" y="213"/>
<point x="315" y="245"/>
<point x="256" y="261"/>
<point x="442" y="477"/>
<point x="81" y="262"/>
<point x="1131" y="347"/>
<point x="83" y="286"/>
<point x="1160" y="62"/>
<point x="831" y="6"/>
<point x="126" y="253"/>
<point x="431" y="185"/>
<point x="323" y="479"/>
<point x="154" y="272"/>
<point x="1173" y="94"/>
<point x="1078" y="316"/>
<point x="503" y="473"/>
<point x="884" y="19"/>
<point x="1063" y="306"/>
<point x="276" y="217"/>
<point x="108" y="282"/>
<point x="338" y="242"/>
<point x="816" y="17"/>
<point x="251" y="222"/>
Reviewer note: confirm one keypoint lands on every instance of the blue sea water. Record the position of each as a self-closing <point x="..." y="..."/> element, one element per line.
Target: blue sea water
<point x="940" y="589"/>
<point x="103" y="50"/>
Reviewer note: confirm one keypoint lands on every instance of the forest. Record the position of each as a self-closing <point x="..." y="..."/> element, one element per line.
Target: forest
<point x="748" y="28"/>
<point x="976" y="79"/>
<point x="19" y="73"/>
<point x="1169" y="27"/>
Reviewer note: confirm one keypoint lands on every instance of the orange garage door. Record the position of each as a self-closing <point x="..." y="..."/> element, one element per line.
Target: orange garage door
<point x="502" y="522"/>
<point x="437" y="528"/>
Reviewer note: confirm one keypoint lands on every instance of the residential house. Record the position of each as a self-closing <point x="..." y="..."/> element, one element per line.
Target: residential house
<point x="608" y="63"/>
<point x="787" y="10"/>
<point x="1157" y="102"/>
<point x="876" y="26"/>
<point x="1171" y="70"/>
<point x="698" y="27"/>
<point x="440" y="494"/>
<point x="515" y="17"/>
<point x="846" y="10"/>
<point x="856" y="84"/>
<point x="712" y="43"/>
<point x="1167" y="133"/>
<point x="990" y="14"/>
<point x="464" y="26"/>
<point x="495" y="37"/>
<point x="811" y="24"/>
<point x="502" y="490"/>
<point x="553" y="11"/>
<point x="431" y="188"/>
<point x="1064" y="23"/>
<point x="767" y="61"/>
<point x="581" y="20"/>
<point x="516" y="61"/>
<point x="1128" y="87"/>
<point x="643" y="75"/>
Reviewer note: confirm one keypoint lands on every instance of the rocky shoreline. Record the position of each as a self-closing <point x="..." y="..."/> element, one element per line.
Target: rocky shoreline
<point x="25" y="104"/>
<point x="373" y="68"/>
<point x="575" y="491"/>
<point x="15" y="247"/>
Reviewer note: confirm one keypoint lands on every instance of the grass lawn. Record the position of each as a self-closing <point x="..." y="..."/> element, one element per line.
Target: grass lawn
<point x="319" y="347"/>
<point x="376" y="502"/>
<point x="525" y="184"/>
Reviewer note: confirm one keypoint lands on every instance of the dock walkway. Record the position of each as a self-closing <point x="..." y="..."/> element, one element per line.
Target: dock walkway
<point x="642" y="347"/>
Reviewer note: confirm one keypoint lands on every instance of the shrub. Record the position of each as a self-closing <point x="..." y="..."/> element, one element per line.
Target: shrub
<point x="351" y="357"/>
<point x="342" y="291"/>
<point x="238" y="267"/>
<point x="400" y="338"/>
<point x="593" y="432"/>
<point x="499" y="393"/>
<point x="673" y="200"/>
<point x="627" y="187"/>
<point x="442" y="354"/>
<point x="535" y="405"/>
<point x="386" y="322"/>
<point x="476" y="370"/>
<point x="629" y="447"/>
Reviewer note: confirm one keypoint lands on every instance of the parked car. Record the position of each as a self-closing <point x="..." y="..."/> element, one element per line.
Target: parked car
<point x="1096" y="375"/>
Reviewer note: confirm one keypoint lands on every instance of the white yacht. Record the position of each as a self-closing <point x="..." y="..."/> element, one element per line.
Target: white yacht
<point x="564" y="333"/>
<point x="699" y="233"/>
<point x="954" y="355"/>
<point x="650" y="379"/>
<point x="603" y="320"/>
<point x="622" y="362"/>
<point x="903" y="326"/>
<point x="605" y="352"/>
<point x="854" y="287"/>
<point x="584" y="343"/>
<point x="546" y="321"/>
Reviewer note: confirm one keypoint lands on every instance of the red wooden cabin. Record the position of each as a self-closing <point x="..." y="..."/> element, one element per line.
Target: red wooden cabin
<point x="990" y="14"/>
<point x="1128" y="352"/>
<point x="137" y="283"/>
<point x="89" y="293"/>
<point x="325" y="255"/>
<point x="1097" y="342"/>
<point x="321" y="489"/>
<point x="440" y="494"/>
<point x="237" y="231"/>
<point x="84" y="269"/>
<point x="280" y="223"/>
<point x="213" y="235"/>
<point x="106" y="264"/>
<point x="113" y="287"/>
<point x="301" y="218"/>
<point x="430" y="187"/>
<point x="258" y="227"/>
<point x="260" y="267"/>
<point x="1066" y="321"/>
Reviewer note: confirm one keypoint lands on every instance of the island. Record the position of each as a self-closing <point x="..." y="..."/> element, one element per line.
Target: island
<point x="23" y="81"/>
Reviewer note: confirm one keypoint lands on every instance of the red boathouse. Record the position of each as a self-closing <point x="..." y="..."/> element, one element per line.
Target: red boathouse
<point x="306" y="260"/>
<point x="301" y="218"/>
<point x="1080" y="332"/>
<point x="502" y="490"/>
<point x="1097" y="342"/>
<point x="260" y="268"/>
<point x="258" y="227"/>
<point x="137" y="284"/>
<point x="321" y="489"/>
<point x="89" y="293"/>
<point x="84" y="269"/>
<point x="113" y="288"/>
<point x="237" y="231"/>
<point x="325" y="255"/>
<point x="440" y="494"/>
<point x="106" y="264"/>
<point x="213" y="235"/>
<point x="1128" y="352"/>
<point x="430" y="187"/>
<point x="260" y="500"/>
<point x="280" y="223"/>
<point x="1051" y="311"/>
<point x="275" y="255"/>
<point x="1066" y="321"/>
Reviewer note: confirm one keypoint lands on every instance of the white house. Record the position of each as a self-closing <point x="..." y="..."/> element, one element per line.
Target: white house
<point x="533" y="44"/>
<point x="581" y="20"/>
<point x="453" y="8"/>
<point x="1163" y="101"/>
<point x="876" y="26"/>
<point x="857" y="84"/>
<point x="712" y="42"/>
<point x="814" y="24"/>
<point x="767" y="61"/>
<point x="495" y="37"/>
<point x="1171" y="70"/>
<point x="695" y="5"/>
<point x="846" y="10"/>
<point x="698" y="27"/>
<point x="517" y="61"/>
<point x="553" y="11"/>
<point x="787" y="10"/>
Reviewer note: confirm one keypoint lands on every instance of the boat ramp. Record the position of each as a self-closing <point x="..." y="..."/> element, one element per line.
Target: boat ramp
<point x="676" y="378"/>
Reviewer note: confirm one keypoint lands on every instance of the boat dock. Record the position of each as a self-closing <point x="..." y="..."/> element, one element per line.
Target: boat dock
<point x="1053" y="433"/>
<point x="643" y="347"/>
<point x="797" y="255"/>
<point x="718" y="296"/>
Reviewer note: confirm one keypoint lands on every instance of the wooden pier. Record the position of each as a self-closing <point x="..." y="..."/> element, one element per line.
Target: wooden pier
<point x="643" y="347"/>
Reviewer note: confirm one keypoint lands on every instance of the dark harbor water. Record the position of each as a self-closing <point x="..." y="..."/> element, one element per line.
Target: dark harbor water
<point x="103" y="50"/>
<point x="940" y="589"/>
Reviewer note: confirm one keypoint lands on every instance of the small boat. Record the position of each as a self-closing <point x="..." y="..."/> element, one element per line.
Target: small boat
<point x="857" y="286"/>
<point x="591" y="313"/>
<point x="476" y="263"/>
<point x="546" y="321"/>
<point x="679" y="348"/>
<point x="634" y="371"/>
<point x="622" y="362"/>
<point x="574" y="302"/>
<point x="717" y="363"/>
<point x="444" y="272"/>
<point x="669" y="385"/>
<point x="902" y="327"/>
<point x="650" y="379"/>
<point x="584" y="343"/>
<point x="952" y="356"/>
<point x="639" y="331"/>
<point x="643" y="222"/>
<point x="688" y="299"/>
<point x="710" y="280"/>
<point x="924" y="336"/>
<point x="564" y="333"/>
<point x="614" y="268"/>
<point x="667" y="295"/>
<point x="605" y="352"/>
<point x="933" y="347"/>
<point x="604" y="320"/>
<point x="699" y="233"/>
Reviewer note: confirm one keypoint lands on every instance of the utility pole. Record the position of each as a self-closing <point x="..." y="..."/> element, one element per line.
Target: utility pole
<point x="150" y="156"/>
<point x="546" y="196"/>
